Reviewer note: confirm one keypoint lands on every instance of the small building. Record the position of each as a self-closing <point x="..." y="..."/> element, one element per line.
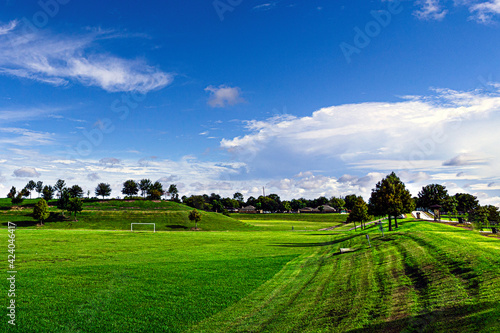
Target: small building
<point x="437" y="212"/>
<point x="250" y="210"/>
<point x="308" y="210"/>
<point x="327" y="209"/>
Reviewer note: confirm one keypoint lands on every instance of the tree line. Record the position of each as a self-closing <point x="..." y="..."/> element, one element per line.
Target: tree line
<point x="389" y="198"/>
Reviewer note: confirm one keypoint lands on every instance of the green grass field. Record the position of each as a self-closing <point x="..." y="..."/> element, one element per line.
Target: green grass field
<point x="424" y="277"/>
<point x="285" y="222"/>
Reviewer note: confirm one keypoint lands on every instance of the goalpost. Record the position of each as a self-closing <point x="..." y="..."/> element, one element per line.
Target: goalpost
<point x="132" y="226"/>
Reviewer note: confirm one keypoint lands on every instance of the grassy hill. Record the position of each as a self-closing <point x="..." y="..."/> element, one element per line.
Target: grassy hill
<point x="118" y="214"/>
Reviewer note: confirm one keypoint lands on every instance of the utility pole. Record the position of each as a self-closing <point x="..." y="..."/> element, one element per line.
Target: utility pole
<point x="263" y="191"/>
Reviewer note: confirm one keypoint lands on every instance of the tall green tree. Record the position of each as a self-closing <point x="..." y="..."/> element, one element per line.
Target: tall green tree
<point x="41" y="211"/>
<point x="350" y="201"/>
<point x="12" y="193"/>
<point x="103" y="190"/>
<point x="466" y="202"/>
<point x="433" y="194"/>
<point x="75" y="205"/>
<point x="144" y="185"/>
<point x="390" y="197"/>
<point x="238" y="196"/>
<point x="59" y="186"/>
<point x="39" y="187"/>
<point x="359" y="213"/>
<point x="155" y="191"/>
<point x="451" y="205"/>
<point x="195" y="216"/>
<point x="18" y="198"/>
<point x="173" y="192"/>
<point x="30" y="186"/>
<point x="337" y="203"/>
<point x="47" y="192"/>
<point x="130" y="188"/>
<point x="76" y="191"/>
<point x="62" y="202"/>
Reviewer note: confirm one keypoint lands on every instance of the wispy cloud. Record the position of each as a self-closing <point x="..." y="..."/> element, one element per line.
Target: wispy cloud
<point x="25" y="137"/>
<point x="430" y="10"/>
<point x="22" y="114"/>
<point x="484" y="12"/>
<point x="5" y="29"/>
<point x="60" y="59"/>
<point x="223" y="96"/>
<point x="265" y="6"/>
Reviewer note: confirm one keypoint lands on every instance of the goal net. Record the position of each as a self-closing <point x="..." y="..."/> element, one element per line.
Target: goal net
<point x="139" y="228"/>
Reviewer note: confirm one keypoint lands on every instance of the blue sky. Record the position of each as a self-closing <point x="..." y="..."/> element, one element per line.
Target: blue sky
<point x="307" y="98"/>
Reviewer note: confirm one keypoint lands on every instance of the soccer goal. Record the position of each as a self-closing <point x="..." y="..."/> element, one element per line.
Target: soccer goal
<point x="132" y="226"/>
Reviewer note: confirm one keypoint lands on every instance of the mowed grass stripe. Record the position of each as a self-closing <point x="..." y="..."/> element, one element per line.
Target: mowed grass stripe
<point x="398" y="284"/>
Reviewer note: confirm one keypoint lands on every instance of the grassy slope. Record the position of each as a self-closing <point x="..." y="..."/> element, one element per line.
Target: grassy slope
<point x="117" y="215"/>
<point x="425" y="277"/>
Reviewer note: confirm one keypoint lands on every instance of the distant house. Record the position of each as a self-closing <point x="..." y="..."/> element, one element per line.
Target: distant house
<point x="318" y="210"/>
<point x="328" y="209"/>
<point x="308" y="210"/>
<point x="250" y="210"/>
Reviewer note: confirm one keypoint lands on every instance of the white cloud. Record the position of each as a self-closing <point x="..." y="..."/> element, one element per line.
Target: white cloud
<point x="484" y="12"/>
<point x="430" y="10"/>
<point x="58" y="59"/>
<point x="25" y="137"/>
<point x="265" y="6"/>
<point x="224" y="96"/>
<point x="447" y="132"/>
<point x="5" y="29"/>
<point x="26" y="172"/>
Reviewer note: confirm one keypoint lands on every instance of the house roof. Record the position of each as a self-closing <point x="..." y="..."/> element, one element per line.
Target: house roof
<point x="248" y="208"/>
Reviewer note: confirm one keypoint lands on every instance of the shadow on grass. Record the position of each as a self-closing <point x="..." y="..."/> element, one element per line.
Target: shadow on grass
<point x="340" y="240"/>
<point x="456" y="318"/>
<point x="21" y="224"/>
<point x="177" y="227"/>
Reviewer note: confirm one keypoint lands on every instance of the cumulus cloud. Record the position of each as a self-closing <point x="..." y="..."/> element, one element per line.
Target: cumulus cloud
<point x="26" y="172"/>
<point x="430" y="10"/>
<point x="223" y="96"/>
<point x="59" y="59"/>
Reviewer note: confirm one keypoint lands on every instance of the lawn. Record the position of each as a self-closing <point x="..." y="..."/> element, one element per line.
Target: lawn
<point x="285" y="222"/>
<point x="107" y="281"/>
<point x="424" y="276"/>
